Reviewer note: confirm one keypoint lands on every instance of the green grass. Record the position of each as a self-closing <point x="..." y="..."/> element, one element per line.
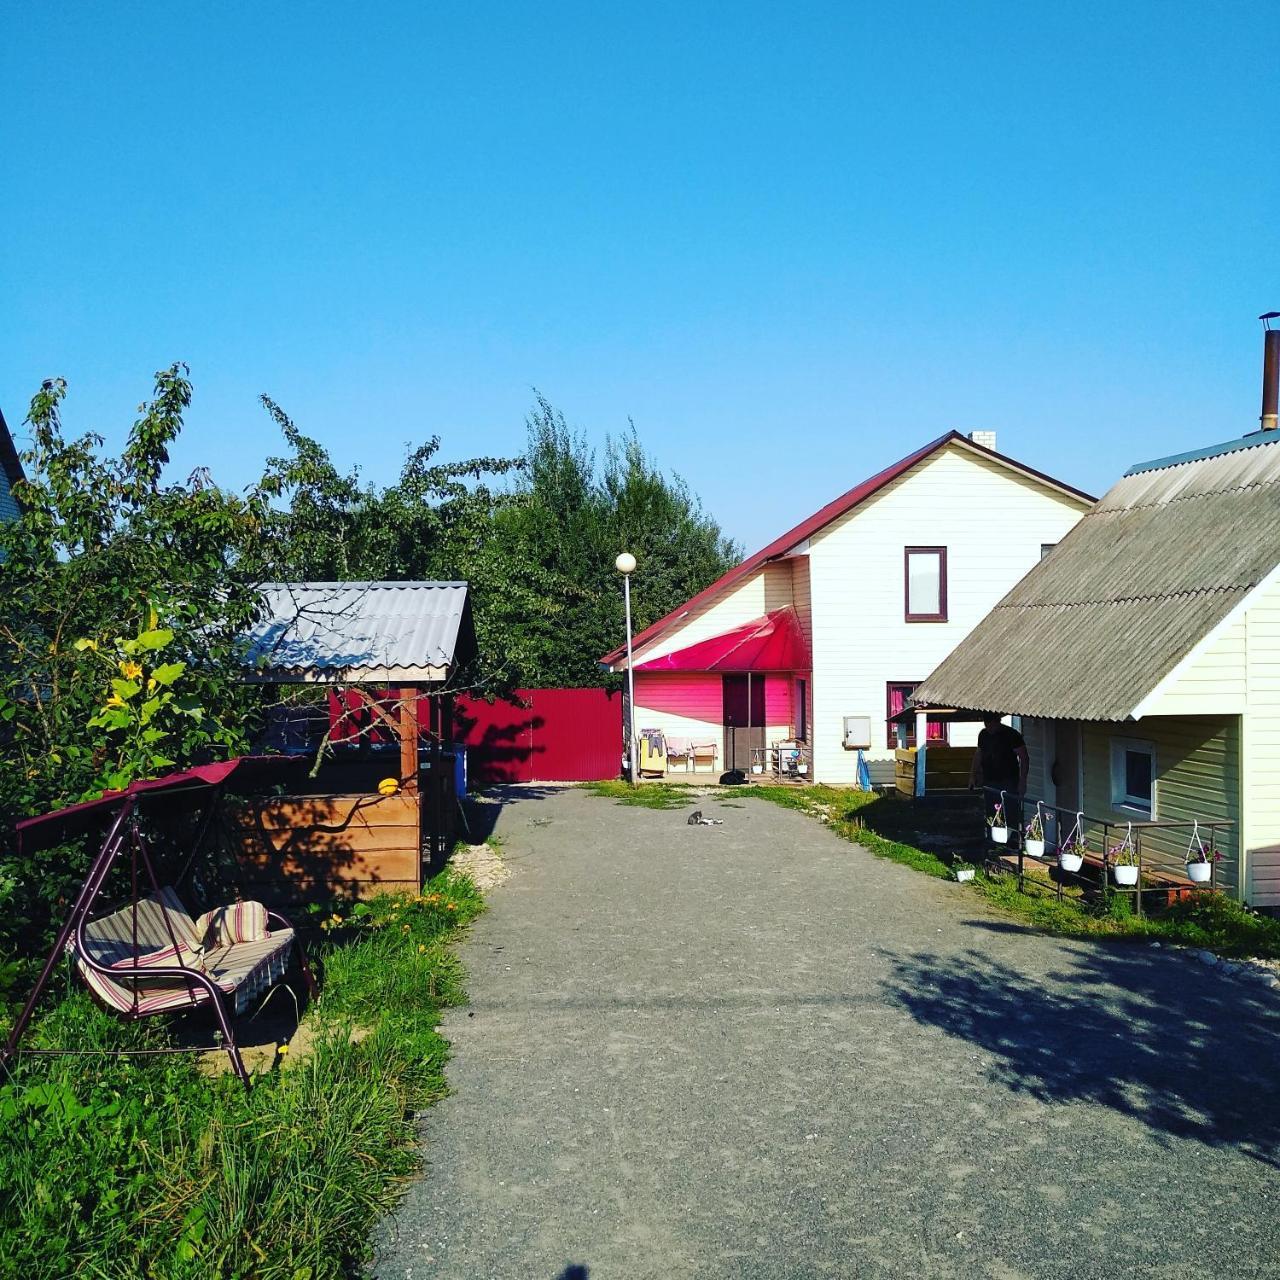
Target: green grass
<point x="112" y="1168"/>
<point x="1212" y="921"/>
<point x="648" y="795"/>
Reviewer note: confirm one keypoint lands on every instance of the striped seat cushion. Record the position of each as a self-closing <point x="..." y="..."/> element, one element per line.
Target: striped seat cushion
<point x="164" y="933"/>
<point x="243" y="959"/>
<point x="239" y="922"/>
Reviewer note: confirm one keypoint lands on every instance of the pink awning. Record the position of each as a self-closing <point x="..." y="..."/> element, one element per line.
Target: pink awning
<point x="772" y="643"/>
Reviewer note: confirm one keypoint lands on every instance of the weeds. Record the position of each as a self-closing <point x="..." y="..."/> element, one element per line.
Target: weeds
<point x="648" y="795"/>
<point x="112" y="1168"/>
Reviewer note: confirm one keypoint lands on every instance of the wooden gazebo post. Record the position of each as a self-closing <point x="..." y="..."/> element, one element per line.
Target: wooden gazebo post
<point x="409" y="739"/>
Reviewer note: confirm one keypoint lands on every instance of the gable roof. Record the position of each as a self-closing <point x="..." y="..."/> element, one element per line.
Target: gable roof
<point x="1163" y="558"/>
<point x="9" y="462"/>
<point x="838" y="507"/>
<point x="361" y="632"/>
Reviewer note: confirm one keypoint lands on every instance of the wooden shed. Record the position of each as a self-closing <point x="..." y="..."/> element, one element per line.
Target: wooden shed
<point x="383" y="819"/>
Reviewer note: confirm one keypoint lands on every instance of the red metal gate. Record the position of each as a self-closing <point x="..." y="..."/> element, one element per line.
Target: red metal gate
<point x="546" y="735"/>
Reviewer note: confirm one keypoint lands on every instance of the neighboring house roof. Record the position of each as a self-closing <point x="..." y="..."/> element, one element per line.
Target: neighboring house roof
<point x="845" y="503"/>
<point x="361" y="632"/>
<point x="1164" y="557"/>
<point x="772" y="643"/>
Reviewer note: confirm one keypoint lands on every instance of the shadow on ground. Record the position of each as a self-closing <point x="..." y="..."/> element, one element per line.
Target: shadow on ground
<point x="483" y="811"/>
<point x="1189" y="1052"/>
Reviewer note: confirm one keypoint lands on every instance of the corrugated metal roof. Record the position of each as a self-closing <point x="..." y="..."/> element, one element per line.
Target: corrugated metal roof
<point x="1163" y="557"/>
<point x="355" y="631"/>
<point x="838" y="507"/>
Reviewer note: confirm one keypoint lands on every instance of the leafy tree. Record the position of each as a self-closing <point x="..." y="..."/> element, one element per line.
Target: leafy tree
<point x="120" y="614"/>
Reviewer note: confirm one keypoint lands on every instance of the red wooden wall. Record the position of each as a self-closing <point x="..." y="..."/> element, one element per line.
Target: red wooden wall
<point x="548" y="735"/>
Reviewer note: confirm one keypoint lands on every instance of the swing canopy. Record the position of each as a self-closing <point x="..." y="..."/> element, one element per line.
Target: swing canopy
<point x="241" y="773"/>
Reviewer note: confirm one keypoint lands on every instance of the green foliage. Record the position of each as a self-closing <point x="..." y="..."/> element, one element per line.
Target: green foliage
<point x="648" y="795"/>
<point x="538" y="550"/>
<point x="143" y="1167"/>
<point x="120" y="614"/>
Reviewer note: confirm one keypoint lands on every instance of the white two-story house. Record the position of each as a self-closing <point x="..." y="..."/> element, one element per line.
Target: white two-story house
<point x="821" y="637"/>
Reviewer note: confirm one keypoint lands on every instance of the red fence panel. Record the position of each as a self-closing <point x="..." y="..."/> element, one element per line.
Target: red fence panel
<point x="545" y="735"/>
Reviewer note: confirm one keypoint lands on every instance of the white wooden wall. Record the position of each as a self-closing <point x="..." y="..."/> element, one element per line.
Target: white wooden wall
<point x="992" y="522"/>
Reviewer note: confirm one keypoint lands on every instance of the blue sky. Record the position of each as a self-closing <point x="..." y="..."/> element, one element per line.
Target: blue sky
<point x="793" y="242"/>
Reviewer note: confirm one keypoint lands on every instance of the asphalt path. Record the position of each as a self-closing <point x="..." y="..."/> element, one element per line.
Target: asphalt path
<point x="754" y="1050"/>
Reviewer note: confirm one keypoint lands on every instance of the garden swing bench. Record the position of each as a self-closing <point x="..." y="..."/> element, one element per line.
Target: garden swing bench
<point x="149" y="956"/>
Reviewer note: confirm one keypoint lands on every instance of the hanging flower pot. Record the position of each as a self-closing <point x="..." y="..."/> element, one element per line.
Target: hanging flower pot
<point x="998" y="823"/>
<point x="963" y="873"/>
<point x="1199" y="859"/>
<point x="1033" y="840"/>
<point x="1125" y="874"/>
<point x="1071" y="862"/>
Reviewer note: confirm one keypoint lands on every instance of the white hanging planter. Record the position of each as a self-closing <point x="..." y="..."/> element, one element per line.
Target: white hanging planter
<point x="1200" y="872"/>
<point x="1035" y="848"/>
<point x="1000" y="835"/>
<point x="1071" y="861"/>
<point x="1125" y="875"/>
<point x="964" y="873"/>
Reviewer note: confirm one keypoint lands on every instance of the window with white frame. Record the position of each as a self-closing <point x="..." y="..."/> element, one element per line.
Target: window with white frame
<point x="925" y="576"/>
<point x="1133" y="776"/>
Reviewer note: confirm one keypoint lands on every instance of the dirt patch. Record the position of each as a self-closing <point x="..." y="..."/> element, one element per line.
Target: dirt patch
<point x="484" y="864"/>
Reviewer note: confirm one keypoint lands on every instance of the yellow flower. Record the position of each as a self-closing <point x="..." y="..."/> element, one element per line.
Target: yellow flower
<point x="404" y="928"/>
<point x="452" y="906"/>
<point x="282" y="1048"/>
<point x="131" y="670"/>
<point x="114" y="701"/>
<point x="422" y="947"/>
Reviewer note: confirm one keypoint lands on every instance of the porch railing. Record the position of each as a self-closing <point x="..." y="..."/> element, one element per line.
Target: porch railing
<point x="1158" y="871"/>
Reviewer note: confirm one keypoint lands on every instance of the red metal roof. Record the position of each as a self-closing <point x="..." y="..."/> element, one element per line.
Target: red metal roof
<point x="823" y="517"/>
<point x="772" y="643"/>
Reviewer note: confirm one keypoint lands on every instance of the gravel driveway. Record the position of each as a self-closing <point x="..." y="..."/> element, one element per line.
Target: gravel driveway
<point x="756" y="1051"/>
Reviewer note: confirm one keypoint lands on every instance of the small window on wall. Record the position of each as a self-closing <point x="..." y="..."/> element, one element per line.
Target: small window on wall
<point x="1046" y="548"/>
<point x="926" y="584"/>
<point x="1133" y="776"/>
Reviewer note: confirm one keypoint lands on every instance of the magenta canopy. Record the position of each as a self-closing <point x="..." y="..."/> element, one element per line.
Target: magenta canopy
<point x="772" y="643"/>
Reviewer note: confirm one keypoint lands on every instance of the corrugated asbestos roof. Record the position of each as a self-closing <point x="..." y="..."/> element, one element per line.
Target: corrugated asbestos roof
<point x="360" y="630"/>
<point x="1163" y="557"/>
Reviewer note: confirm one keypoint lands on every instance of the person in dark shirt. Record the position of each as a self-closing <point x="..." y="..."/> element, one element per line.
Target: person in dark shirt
<point x="1000" y="761"/>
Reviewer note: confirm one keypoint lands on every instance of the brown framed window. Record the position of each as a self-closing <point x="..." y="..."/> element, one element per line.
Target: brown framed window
<point x="896" y="694"/>
<point x="924" y="573"/>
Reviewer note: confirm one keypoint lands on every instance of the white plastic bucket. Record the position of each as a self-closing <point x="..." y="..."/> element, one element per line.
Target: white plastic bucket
<point x="964" y="873"/>
<point x="1035" y="848"/>
<point x="1200" y="872"/>
<point x="1070" y="861"/>
<point x="1125" y="875"/>
<point x="1000" y="835"/>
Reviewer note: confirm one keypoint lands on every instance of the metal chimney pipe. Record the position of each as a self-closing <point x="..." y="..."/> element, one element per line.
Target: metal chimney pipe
<point x="1270" y="379"/>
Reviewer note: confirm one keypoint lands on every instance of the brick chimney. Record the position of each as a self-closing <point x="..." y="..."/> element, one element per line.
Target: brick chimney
<point x="987" y="439"/>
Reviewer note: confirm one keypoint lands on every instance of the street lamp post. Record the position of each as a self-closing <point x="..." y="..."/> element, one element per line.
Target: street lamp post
<point x="625" y="565"/>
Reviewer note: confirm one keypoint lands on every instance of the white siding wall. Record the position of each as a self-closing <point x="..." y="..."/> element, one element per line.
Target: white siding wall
<point x="992" y="523"/>
<point x="767" y="589"/>
<point x="1215" y="684"/>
